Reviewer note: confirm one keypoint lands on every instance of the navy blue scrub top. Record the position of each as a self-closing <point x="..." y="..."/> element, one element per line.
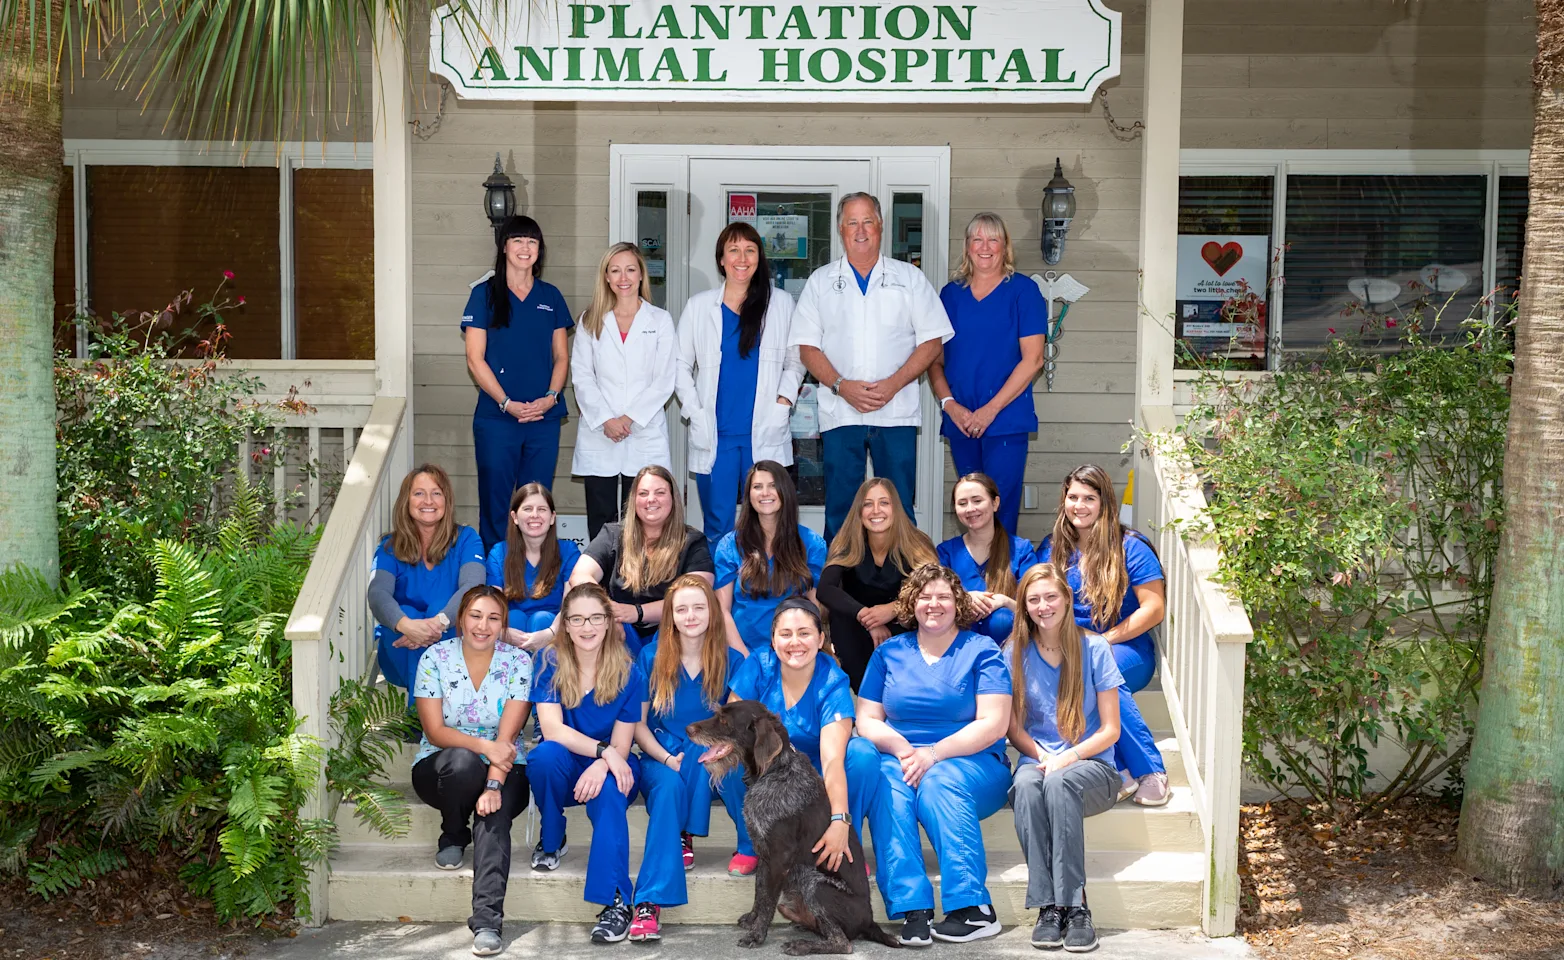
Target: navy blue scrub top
<point x="736" y="380"/>
<point x="550" y="602"/>
<point x="521" y="354"/>
<point x="829" y="697"/>
<point x="591" y="716"/>
<point x="689" y="699"/>
<point x="986" y="348"/>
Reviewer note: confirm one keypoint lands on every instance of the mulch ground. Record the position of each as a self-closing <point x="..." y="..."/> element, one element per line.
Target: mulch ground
<point x="1387" y="889"/>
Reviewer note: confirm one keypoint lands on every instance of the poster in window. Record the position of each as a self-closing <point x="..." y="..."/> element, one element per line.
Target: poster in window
<point x="742" y="208"/>
<point x="786" y="237"/>
<point x="1222" y="296"/>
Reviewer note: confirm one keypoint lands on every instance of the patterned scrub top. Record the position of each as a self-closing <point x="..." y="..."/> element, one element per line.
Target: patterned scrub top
<point x="442" y="675"/>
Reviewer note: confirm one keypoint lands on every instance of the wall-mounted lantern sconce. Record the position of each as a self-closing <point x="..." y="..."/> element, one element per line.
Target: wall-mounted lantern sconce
<point x="499" y="197"/>
<point x="1058" y="211"/>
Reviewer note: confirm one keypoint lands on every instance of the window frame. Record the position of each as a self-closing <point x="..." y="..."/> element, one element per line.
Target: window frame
<point x="1280" y="164"/>
<point x="286" y="157"/>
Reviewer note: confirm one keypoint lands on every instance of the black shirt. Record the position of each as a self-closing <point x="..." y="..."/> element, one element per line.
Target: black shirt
<point x="604" y="548"/>
<point x="849" y="589"/>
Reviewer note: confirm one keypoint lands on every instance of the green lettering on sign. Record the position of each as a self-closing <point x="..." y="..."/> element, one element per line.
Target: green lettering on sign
<point x="583" y="15"/>
<point x="975" y="55"/>
<point x="906" y="62"/>
<point x="895" y="22"/>
<point x="834" y="20"/>
<point x="703" y="66"/>
<point x="489" y="60"/>
<point x="719" y="28"/>
<point x="628" y="68"/>
<point x="871" y="59"/>
<point x="942" y="64"/>
<point x="620" y="30"/>
<point x="543" y="71"/>
<point x="1016" y="63"/>
<point x="948" y="18"/>
<point x="769" y="63"/>
<point x="669" y="61"/>
<point x="757" y="20"/>
<point x="842" y="64"/>
<point x="668" y="22"/>
<point x="573" y="65"/>
<point x="799" y="22"/>
<point x="1051" y="68"/>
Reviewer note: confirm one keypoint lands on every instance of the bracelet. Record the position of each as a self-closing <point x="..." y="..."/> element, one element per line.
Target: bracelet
<point x="640" y="615"/>
<point x="1077" y="753"/>
<point x="504" y="403"/>
<point x="837" y="386"/>
<point x="945" y="401"/>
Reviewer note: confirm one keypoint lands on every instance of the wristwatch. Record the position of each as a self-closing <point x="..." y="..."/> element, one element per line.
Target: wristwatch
<point x="839" y="818"/>
<point x="553" y="393"/>
<point x="493" y="784"/>
<point x="601" y="746"/>
<point x="836" y="387"/>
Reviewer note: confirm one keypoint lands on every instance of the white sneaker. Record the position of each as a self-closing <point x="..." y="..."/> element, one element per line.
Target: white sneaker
<point x="1127" y="786"/>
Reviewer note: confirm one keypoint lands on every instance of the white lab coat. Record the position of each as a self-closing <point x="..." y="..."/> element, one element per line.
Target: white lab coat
<point x="869" y="335"/>
<point x="613" y="378"/>
<point x="700" y="362"/>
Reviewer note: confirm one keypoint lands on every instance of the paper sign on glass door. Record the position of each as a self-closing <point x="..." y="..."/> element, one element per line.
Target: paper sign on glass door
<point x="785" y="237"/>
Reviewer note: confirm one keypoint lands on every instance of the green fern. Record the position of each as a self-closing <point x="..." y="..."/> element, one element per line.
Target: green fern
<point x="16" y="837"/>
<point x="69" y="868"/>
<point x="368" y="724"/>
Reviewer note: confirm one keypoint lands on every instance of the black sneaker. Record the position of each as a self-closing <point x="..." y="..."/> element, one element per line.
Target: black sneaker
<point x="1048" y="934"/>
<point x="544" y="860"/>
<point x="1079" y="934"/>
<point x="613" y="923"/>
<point x="968" y="923"/>
<point x="915" y="928"/>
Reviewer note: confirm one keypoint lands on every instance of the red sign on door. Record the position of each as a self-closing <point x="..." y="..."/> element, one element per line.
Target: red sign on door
<point x="741" y="207"/>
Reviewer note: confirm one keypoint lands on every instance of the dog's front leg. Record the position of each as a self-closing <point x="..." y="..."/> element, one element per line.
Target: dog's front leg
<point x="768" y="887"/>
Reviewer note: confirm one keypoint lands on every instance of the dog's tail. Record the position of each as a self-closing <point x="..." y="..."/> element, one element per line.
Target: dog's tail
<point x="877" y="933"/>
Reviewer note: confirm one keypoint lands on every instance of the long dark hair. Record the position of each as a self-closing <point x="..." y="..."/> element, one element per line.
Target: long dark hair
<point x="499" y="290"/>
<point x="997" y="575"/>
<point x="757" y="299"/>
<point x="516" y="551"/>
<point x="789" y="573"/>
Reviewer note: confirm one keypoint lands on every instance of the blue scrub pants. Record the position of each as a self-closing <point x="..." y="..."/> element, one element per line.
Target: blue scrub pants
<point x="1003" y="458"/>
<point x="509" y="455"/>
<point x="553" y="771"/>
<point x="1136" y="750"/>
<point x="719" y="489"/>
<point x="634" y="640"/>
<point x="533" y="621"/>
<point x="847" y="451"/>
<point x="679" y="801"/>
<point x="997" y="625"/>
<point x="399" y="664"/>
<point x="951" y="801"/>
<point x="861" y="765"/>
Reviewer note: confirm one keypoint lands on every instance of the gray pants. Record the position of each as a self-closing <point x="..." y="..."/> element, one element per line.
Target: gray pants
<point x="1051" y="817"/>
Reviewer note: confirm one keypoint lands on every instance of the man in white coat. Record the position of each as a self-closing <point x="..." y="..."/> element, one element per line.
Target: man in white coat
<point x="867" y="326"/>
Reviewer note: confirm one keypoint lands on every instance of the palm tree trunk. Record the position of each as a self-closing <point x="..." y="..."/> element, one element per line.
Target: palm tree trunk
<point x="1512" y="819"/>
<point x="30" y="174"/>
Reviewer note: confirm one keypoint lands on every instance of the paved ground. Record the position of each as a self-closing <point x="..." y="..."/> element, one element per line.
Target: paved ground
<point x="562" y="941"/>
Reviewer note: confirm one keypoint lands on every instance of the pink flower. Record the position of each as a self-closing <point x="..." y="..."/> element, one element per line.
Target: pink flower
<point x="228" y="274"/>
<point x="266" y="451"/>
<point x="1332" y="330"/>
<point x="1390" y="323"/>
<point x="241" y="298"/>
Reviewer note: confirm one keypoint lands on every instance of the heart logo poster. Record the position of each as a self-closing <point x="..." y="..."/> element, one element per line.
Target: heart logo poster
<point x="1222" y="296"/>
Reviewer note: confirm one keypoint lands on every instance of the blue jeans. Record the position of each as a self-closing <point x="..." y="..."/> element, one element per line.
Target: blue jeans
<point x="847" y="451"/>
<point x="1136" y="750"/>
<point x="719" y="489"/>
<point x="1003" y="458"/>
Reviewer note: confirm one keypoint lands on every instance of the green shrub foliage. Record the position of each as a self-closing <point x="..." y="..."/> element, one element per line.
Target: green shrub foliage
<point x="1356" y="498"/>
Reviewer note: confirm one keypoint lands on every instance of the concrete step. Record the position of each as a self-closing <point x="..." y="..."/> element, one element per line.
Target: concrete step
<point x="1127" y="890"/>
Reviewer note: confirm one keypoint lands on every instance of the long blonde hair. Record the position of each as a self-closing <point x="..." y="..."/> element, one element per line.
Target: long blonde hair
<point x="1071" y="695"/>
<point x="613" y="657"/>
<point x="991" y="223"/>
<point x="644" y="565"/>
<point x="1104" y="577"/>
<point x="603" y="296"/>
<point x="910" y="547"/>
<point x="668" y="663"/>
<point x="405" y="543"/>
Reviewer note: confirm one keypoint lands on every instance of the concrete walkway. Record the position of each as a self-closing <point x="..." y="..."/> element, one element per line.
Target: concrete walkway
<point x="565" y="941"/>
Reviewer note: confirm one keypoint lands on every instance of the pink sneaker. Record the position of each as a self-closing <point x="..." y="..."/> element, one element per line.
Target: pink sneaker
<point x="742" y="866"/>
<point x="1153" y="790"/>
<point x="644" y="927"/>
<point x="688" y="842"/>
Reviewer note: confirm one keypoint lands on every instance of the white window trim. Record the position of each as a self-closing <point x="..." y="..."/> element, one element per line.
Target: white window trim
<point x="285" y="157"/>
<point x="1279" y="164"/>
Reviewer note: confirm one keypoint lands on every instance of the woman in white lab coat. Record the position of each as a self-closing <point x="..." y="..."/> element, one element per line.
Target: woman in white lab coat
<point x="738" y="378"/>
<point x="623" y="370"/>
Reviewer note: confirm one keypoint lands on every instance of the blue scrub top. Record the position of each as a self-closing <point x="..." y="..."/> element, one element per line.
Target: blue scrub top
<point x="753" y="614"/>
<point x="953" y="553"/>
<point x="689" y="699"/>
<point x="736" y="379"/>
<point x="986" y="348"/>
<point x="1140" y="562"/>
<point x="521" y="354"/>
<point x="829" y="697"/>
<point x="927" y="702"/>
<point x="426" y="589"/>
<point x="550" y="602"/>
<point x="591" y="717"/>
<point x="1099" y="673"/>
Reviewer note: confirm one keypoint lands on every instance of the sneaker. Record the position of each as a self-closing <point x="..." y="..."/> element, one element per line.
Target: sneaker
<point x="1127" y="786"/>
<point x="1152" y="790"/>
<point x="542" y="860"/>
<point x="688" y="842"/>
<point x="613" y="922"/>
<point x="1048" y="934"/>
<point x="968" y="923"/>
<point x="742" y="865"/>
<point x="449" y="858"/>
<point x="644" y="927"/>
<point x="486" y="943"/>
<point x="915" y="928"/>
<point x="1079" y="934"/>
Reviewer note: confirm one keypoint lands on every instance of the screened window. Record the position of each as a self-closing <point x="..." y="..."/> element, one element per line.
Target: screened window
<point x="1511" y="246"/>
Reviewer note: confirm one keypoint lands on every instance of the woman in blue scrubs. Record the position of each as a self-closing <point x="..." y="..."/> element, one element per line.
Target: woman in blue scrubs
<point x="687" y="669"/>
<point x="514" y="332"/>
<point x="805" y="688"/>
<point x="769" y="557"/>
<point x="987" y="558"/>
<point x="589" y="694"/>
<point x="532" y="565"/>
<point x="984" y="379"/>
<point x="1121" y="596"/>
<point x="421" y="569"/>
<point x="936" y="703"/>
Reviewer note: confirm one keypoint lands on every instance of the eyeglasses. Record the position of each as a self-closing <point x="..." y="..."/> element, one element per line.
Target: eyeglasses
<point x="596" y="620"/>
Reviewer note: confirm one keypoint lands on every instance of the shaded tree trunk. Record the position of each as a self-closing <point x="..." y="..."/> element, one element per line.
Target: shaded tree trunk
<point x="30" y="174"/>
<point x="1512" y="819"/>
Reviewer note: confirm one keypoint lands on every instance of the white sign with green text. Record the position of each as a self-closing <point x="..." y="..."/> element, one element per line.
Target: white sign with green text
<point x="993" y="51"/>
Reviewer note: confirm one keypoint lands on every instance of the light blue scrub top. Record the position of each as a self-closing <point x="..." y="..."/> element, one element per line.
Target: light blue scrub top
<point x="550" y="602"/>
<point x="425" y="589"/>
<point x="953" y="553"/>
<point x="591" y="717"/>
<point x="689" y="699"/>
<point x="828" y="699"/>
<point x="1099" y="673"/>
<point x="927" y="702"/>
<point x="736" y="380"/>
<point x="753" y="614"/>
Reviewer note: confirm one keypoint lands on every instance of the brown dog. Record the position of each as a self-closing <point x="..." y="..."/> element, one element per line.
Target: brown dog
<point x="787" y="811"/>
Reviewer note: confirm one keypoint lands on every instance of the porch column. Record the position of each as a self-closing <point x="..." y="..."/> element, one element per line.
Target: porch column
<point x="393" y="219"/>
<point x="1164" y="84"/>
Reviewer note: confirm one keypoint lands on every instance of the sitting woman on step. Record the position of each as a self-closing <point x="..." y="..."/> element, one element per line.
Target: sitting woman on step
<point x="532" y="565"/>
<point x="768" y="557"/>
<point x="988" y="558"/>
<point x="1064" y="721"/>
<point x="472" y="693"/>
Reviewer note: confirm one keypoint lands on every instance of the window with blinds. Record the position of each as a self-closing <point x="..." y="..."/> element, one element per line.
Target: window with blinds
<point x="334" y="264"/>
<point x="1511" y="247"/>
<point x="65" y="266"/>
<point x="1217" y="207"/>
